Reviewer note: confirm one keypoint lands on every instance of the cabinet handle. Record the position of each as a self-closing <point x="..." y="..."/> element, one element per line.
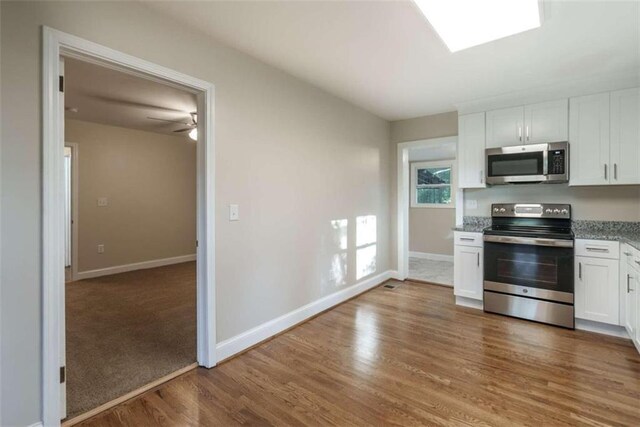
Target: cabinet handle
<point x="615" y="171"/>
<point x="605" y="171"/>
<point x="467" y="239"/>
<point x="591" y="249"/>
<point x="520" y="133"/>
<point x="580" y="270"/>
<point x="628" y="285"/>
<point x="527" y="129"/>
<point x="481" y="176"/>
<point x="478" y="254"/>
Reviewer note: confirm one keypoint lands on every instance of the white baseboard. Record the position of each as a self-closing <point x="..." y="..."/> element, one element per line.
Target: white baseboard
<point x="602" y="328"/>
<point x="469" y="302"/>
<point x="38" y="424"/>
<point x="235" y="345"/>
<point x="433" y="257"/>
<point x="90" y="274"/>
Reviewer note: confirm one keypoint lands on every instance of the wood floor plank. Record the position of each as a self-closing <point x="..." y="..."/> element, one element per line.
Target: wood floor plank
<point x="402" y="357"/>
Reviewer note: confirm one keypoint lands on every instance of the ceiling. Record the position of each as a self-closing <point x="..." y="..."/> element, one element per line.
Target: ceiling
<point x="385" y="57"/>
<point x="111" y="97"/>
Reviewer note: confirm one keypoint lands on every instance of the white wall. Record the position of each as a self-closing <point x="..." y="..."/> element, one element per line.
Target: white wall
<point x="293" y="157"/>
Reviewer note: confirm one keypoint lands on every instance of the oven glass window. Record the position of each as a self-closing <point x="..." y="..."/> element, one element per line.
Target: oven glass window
<point x="541" y="267"/>
<point x="516" y="164"/>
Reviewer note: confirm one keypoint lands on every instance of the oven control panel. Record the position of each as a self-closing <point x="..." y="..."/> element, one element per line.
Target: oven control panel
<point x="531" y="210"/>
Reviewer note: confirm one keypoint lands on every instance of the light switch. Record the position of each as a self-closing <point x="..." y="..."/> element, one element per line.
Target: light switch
<point x="102" y="201"/>
<point x="471" y="204"/>
<point x="234" y="213"/>
<point x="100" y="249"/>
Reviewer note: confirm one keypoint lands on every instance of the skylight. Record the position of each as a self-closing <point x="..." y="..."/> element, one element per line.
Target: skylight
<point x="465" y="23"/>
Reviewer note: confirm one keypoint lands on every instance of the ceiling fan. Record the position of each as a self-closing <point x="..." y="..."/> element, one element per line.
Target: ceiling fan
<point x="192" y="127"/>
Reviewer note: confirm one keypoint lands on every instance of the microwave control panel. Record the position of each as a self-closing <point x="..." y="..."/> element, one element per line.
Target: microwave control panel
<point x="556" y="162"/>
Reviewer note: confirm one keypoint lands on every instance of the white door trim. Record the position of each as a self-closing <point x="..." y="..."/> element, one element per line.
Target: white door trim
<point x="402" y="205"/>
<point x="55" y="44"/>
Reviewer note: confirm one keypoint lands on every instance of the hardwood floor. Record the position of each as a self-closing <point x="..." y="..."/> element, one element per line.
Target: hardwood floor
<point x="406" y="356"/>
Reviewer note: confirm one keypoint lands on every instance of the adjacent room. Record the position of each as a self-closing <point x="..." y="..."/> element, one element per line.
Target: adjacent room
<point x="432" y="215"/>
<point x="130" y="296"/>
<point x="320" y="213"/>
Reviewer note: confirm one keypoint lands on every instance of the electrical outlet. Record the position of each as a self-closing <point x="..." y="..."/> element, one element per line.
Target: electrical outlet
<point x="100" y="249"/>
<point x="234" y="213"/>
<point x="102" y="202"/>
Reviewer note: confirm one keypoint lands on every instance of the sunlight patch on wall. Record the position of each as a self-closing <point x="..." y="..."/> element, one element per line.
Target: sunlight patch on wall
<point x="366" y="238"/>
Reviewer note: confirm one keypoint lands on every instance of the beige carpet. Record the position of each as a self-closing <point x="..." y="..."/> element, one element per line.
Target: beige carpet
<point x="127" y="330"/>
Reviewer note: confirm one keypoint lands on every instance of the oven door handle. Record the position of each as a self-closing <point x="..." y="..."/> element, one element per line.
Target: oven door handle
<point x="559" y="243"/>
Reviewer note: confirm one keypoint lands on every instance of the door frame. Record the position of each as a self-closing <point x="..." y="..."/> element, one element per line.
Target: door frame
<point x="55" y="45"/>
<point x="403" y="202"/>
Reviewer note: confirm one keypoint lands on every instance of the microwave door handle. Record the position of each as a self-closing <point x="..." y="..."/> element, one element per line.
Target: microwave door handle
<point x="545" y="162"/>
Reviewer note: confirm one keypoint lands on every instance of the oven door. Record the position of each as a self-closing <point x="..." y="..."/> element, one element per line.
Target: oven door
<point x="543" y="271"/>
<point x="526" y="163"/>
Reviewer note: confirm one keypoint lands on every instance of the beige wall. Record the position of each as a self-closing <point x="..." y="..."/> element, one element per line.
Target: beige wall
<point x="430" y="230"/>
<point x="616" y="203"/>
<point x="292" y="156"/>
<point x="149" y="180"/>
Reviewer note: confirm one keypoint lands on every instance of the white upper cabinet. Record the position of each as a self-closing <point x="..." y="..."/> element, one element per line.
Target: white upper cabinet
<point x="531" y="124"/>
<point x="589" y="140"/>
<point x="505" y="127"/>
<point x="625" y="136"/>
<point x="471" y="135"/>
<point x="546" y="122"/>
<point x="604" y="138"/>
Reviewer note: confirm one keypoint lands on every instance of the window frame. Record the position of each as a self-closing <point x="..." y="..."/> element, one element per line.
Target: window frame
<point x="449" y="163"/>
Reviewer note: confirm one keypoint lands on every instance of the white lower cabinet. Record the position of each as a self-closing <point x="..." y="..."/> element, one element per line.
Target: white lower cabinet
<point x="597" y="295"/>
<point x="468" y="270"/>
<point x="630" y="302"/>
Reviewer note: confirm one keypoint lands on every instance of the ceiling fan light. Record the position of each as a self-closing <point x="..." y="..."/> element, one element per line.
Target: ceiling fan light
<point x="193" y="134"/>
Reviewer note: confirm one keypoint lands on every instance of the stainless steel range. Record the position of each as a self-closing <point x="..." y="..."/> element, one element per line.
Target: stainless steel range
<point x="528" y="263"/>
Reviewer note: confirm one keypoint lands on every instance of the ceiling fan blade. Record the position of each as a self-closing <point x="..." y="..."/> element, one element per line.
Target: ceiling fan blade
<point x="183" y="130"/>
<point x="170" y="121"/>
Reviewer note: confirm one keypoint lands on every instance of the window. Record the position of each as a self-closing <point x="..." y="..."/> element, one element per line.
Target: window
<point x="433" y="185"/>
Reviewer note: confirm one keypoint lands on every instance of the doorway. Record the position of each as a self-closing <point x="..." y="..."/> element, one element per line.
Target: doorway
<point x="428" y="207"/>
<point x="57" y="45"/>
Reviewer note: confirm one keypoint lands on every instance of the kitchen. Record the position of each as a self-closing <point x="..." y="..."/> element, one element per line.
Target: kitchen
<point x="550" y="242"/>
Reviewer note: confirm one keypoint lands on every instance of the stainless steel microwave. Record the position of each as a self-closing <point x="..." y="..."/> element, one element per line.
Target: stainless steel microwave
<point x="520" y="164"/>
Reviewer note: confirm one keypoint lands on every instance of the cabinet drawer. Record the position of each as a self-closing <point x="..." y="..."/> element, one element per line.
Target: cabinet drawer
<point x="468" y="239"/>
<point x="598" y="248"/>
<point x="631" y="256"/>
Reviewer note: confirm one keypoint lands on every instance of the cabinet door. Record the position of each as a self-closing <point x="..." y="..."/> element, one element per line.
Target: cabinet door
<point x="589" y="140"/>
<point x="625" y="136"/>
<point x="546" y="122"/>
<point x="630" y="305"/>
<point x="471" y="134"/>
<point x="505" y="127"/>
<point x="467" y="272"/>
<point x="597" y="294"/>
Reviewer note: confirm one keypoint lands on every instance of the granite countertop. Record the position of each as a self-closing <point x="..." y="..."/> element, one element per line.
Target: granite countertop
<point x="474" y="224"/>
<point x="622" y="231"/>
